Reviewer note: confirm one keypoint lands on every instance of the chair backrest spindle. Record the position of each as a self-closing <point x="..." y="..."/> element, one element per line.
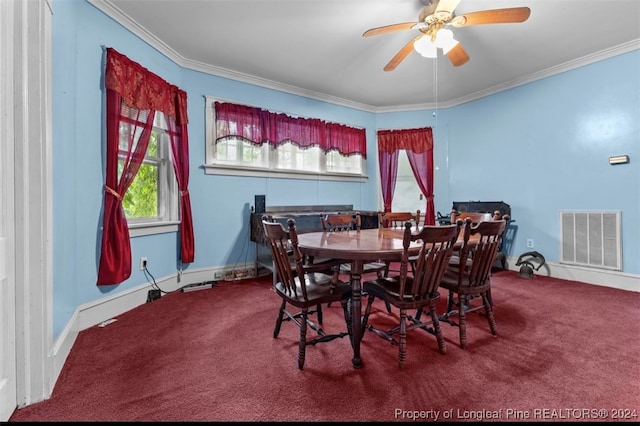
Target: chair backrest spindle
<point x="437" y="244"/>
<point x="398" y="219"/>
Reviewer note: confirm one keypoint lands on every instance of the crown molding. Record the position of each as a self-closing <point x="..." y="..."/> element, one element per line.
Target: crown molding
<point x="115" y="13"/>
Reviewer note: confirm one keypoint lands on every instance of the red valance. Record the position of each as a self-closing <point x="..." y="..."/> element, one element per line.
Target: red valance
<point x="142" y="89"/>
<point x="260" y="126"/>
<point x="414" y="140"/>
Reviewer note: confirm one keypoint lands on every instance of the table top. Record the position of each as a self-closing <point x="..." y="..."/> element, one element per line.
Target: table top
<point x="379" y="243"/>
<point x="366" y="244"/>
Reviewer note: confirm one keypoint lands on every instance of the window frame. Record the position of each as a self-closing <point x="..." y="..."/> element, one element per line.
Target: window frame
<point x="211" y="167"/>
<point x="168" y="219"/>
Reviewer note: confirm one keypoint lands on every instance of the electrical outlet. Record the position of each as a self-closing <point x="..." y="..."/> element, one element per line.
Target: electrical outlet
<point x="153" y="295"/>
<point x="143" y="263"/>
<point x="529" y="243"/>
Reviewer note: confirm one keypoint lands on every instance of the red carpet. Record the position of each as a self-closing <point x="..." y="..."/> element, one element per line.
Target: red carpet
<point x="565" y="351"/>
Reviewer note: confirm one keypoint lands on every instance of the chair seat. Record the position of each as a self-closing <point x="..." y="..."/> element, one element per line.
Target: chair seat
<point x="388" y="289"/>
<point x="319" y="289"/>
<point x="451" y="281"/>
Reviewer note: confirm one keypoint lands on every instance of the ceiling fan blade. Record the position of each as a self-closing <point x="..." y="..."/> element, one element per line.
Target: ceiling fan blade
<point x="457" y="55"/>
<point x="388" y="29"/>
<point x="495" y="16"/>
<point x="447" y="6"/>
<point x="402" y="53"/>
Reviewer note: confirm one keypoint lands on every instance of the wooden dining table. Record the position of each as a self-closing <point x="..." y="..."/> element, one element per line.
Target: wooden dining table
<point x="357" y="247"/>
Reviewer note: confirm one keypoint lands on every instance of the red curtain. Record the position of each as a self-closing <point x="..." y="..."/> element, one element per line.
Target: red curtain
<point x="418" y="143"/>
<point x="261" y="126"/>
<point x="180" y="151"/>
<point x="422" y="167"/>
<point x="388" y="162"/>
<point x="133" y="96"/>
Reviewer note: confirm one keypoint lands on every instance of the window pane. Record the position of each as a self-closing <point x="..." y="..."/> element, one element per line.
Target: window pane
<point x="242" y="152"/>
<point x="338" y="163"/>
<point x="152" y="149"/>
<point x="291" y="157"/>
<point x="141" y="199"/>
<point x="407" y="194"/>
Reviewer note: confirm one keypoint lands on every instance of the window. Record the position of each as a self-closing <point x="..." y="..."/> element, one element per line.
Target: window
<point x="306" y="148"/>
<point x="238" y="151"/>
<point x="151" y="199"/>
<point x="407" y="196"/>
<point x="147" y="96"/>
<point x="338" y="163"/>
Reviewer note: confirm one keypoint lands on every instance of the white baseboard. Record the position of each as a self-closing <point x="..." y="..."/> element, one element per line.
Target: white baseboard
<point x="601" y="277"/>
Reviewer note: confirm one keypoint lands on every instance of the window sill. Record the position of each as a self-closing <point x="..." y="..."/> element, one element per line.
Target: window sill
<point x="226" y="170"/>
<point x="152" y="228"/>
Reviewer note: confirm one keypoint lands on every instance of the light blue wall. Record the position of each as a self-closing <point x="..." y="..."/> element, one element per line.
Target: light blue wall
<point x="221" y="204"/>
<point x="541" y="148"/>
<point x="544" y="147"/>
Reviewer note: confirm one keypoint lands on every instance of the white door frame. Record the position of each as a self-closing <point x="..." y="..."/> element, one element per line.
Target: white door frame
<point x="8" y="398"/>
<point x="31" y="233"/>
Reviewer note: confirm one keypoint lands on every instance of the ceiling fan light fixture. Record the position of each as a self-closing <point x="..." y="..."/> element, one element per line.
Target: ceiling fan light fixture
<point x="426" y="47"/>
<point x="445" y="40"/>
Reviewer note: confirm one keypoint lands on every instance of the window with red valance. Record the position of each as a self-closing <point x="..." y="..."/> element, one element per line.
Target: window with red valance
<point x="134" y="96"/>
<point x="418" y="144"/>
<point x="253" y="138"/>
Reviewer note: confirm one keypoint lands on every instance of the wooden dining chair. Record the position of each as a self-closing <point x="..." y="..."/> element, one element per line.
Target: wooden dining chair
<point x="397" y="220"/>
<point x="469" y="280"/>
<point x="416" y="292"/>
<point x="476" y="217"/>
<point x="324" y="265"/>
<point x="300" y="288"/>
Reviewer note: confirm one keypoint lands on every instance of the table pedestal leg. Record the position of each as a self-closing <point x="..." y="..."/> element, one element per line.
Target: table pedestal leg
<point x="356" y="312"/>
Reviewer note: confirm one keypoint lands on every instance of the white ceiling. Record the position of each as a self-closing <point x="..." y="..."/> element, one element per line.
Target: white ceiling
<point x="316" y="48"/>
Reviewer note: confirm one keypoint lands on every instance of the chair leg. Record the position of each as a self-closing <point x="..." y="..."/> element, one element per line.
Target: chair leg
<point x="382" y="274"/>
<point x="276" y="330"/>
<point x="437" y="330"/>
<point x="462" y="321"/>
<point x="489" y="313"/>
<point x="347" y="317"/>
<point x="402" y="351"/>
<point x="334" y="280"/>
<point x="367" y="311"/>
<point x="319" y="311"/>
<point x="303" y="339"/>
<point x="450" y="302"/>
<point x="385" y="274"/>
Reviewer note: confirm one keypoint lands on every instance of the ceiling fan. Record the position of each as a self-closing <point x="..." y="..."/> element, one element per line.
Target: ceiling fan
<point x="433" y="23"/>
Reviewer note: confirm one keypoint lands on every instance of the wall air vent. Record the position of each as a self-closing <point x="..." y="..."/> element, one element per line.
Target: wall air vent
<point x="591" y="239"/>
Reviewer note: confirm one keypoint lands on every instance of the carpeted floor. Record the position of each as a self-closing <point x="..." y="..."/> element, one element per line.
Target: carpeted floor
<point x="566" y="351"/>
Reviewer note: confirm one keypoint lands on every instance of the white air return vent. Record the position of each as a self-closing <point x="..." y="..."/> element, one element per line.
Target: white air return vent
<point x="591" y="239"/>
